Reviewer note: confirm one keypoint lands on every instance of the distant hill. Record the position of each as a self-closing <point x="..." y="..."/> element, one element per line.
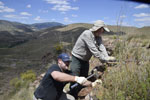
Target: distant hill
<point x="9" y="40"/>
<point x="14" y="33"/>
<point x="145" y="29"/>
<point x="45" y="25"/>
<point x="15" y="28"/>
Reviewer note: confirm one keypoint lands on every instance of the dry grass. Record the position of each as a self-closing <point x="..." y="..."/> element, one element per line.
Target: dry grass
<point x="130" y="80"/>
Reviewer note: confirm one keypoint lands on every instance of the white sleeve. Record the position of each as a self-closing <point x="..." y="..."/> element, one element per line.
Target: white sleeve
<point x="103" y="51"/>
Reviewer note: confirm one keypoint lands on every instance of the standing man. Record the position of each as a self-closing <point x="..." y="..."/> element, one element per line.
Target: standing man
<point x="89" y="43"/>
<point x="52" y="84"/>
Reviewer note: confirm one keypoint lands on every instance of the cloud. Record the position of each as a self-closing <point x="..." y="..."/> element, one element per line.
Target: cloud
<point x="145" y="19"/>
<point x="123" y="16"/>
<point x="63" y="12"/>
<point x="61" y="5"/>
<point x="106" y="18"/>
<point x="15" y="17"/>
<point x="58" y="2"/>
<point x="5" y="8"/>
<point x="25" y="14"/>
<point x="144" y="24"/>
<point x="142" y="15"/>
<point x="53" y="19"/>
<point x="64" y="8"/>
<point x="38" y="18"/>
<point x="126" y="24"/>
<point x="67" y="20"/>
<point x="28" y="6"/>
<point x="1" y="3"/>
<point x="74" y="15"/>
<point x="43" y="11"/>
<point x="142" y="6"/>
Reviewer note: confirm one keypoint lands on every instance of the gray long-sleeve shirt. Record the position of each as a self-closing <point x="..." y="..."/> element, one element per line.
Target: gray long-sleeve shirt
<point x="88" y="45"/>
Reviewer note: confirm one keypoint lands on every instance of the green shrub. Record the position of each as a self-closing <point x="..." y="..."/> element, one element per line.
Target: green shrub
<point x="28" y="76"/>
<point x="115" y="37"/>
<point x="58" y="48"/>
<point x="16" y="83"/>
<point x="24" y="80"/>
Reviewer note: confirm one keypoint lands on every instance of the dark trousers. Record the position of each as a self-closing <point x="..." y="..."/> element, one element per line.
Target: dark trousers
<point x="78" y="68"/>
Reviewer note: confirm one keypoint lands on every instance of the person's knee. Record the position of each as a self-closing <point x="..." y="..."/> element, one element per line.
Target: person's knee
<point x="70" y="97"/>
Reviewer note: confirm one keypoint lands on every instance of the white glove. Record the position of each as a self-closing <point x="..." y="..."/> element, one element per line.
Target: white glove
<point x="80" y="80"/>
<point x="96" y="82"/>
<point x="110" y="58"/>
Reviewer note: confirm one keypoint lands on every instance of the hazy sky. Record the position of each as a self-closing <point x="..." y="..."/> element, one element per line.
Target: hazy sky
<point x="76" y="11"/>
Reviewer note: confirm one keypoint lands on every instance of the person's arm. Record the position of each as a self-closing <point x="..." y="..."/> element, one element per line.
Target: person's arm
<point x="90" y="42"/>
<point x="62" y="77"/>
<point x="103" y="50"/>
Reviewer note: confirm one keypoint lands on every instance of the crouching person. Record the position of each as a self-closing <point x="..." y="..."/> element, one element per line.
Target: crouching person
<point x="52" y="84"/>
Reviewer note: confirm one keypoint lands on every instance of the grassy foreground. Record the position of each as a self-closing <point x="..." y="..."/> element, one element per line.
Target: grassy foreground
<point x="130" y="79"/>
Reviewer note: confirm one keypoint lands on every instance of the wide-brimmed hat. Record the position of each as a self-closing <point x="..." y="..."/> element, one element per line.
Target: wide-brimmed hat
<point x="64" y="57"/>
<point x="98" y="24"/>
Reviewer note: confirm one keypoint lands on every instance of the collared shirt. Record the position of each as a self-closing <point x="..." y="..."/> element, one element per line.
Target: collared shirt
<point x="88" y="45"/>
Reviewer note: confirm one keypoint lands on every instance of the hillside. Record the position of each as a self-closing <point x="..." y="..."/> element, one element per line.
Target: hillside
<point x="14" y="33"/>
<point x="15" y="28"/>
<point x="45" y="25"/>
<point x="144" y="30"/>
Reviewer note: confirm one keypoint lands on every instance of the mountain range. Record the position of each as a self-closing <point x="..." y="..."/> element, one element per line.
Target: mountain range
<point x="14" y="33"/>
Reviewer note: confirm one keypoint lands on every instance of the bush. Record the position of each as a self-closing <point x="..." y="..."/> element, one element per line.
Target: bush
<point x="16" y="83"/>
<point x="28" y="76"/>
<point x="24" y="80"/>
<point x="58" y="48"/>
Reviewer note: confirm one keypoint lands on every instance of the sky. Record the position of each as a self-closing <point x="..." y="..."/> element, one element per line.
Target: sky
<point x="112" y="12"/>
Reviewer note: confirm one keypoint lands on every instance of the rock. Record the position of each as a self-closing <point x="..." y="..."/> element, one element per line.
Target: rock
<point x="1" y="92"/>
<point x="148" y="46"/>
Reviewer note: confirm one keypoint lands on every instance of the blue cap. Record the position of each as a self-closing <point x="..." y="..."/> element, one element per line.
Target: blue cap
<point x="64" y="57"/>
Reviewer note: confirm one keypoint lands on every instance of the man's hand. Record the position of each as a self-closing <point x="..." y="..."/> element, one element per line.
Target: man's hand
<point x="80" y="80"/>
<point x="87" y="83"/>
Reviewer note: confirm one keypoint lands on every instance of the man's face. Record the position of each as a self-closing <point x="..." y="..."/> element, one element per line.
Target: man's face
<point x="64" y="65"/>
<point x="99" y="32"/>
